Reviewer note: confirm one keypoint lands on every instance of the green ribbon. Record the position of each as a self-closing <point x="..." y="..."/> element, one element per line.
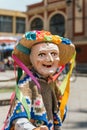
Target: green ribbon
<point x="22" y="99"/>
<point x="65" y="88"/>
<point x="64" y="83"/>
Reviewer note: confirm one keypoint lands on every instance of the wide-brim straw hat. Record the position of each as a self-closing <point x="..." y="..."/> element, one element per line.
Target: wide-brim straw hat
<point x="23" y="48"/>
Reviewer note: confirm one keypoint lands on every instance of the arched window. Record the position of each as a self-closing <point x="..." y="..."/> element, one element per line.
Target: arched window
<point x="37" y="24"/>
<point x="57" y="25"/>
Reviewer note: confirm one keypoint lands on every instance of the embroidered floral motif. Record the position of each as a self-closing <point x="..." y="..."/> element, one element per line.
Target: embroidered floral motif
<point x="37" y="103"/>
<point x="46" y="36"/>
<point x="66" y="41"/>
<point x="38" y="106"/>
<point x="40" y="34"/>
<point x="30" y="35"/>
<point x="56" y="39"/>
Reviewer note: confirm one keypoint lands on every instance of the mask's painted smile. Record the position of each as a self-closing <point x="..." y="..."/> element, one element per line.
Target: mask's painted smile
<point x="47" y="66"/>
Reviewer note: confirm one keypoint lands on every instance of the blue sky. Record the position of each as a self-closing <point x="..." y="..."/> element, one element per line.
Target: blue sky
<point x="19" y="5"/>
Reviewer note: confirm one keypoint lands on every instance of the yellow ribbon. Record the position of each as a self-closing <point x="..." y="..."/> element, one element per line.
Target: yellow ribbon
<point x="65" y="87"/>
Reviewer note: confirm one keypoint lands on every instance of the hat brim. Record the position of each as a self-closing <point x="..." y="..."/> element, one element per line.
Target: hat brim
<point x="65" y="51"/>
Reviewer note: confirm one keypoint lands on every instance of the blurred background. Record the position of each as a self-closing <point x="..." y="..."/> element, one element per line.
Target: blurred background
<point x="67" y="18"/>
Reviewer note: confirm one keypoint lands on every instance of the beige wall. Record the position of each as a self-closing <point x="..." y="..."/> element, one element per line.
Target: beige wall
<point x="14" y="14"/>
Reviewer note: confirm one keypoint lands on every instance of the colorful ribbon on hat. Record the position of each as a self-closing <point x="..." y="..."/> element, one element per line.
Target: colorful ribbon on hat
<point x="65" y="87"/>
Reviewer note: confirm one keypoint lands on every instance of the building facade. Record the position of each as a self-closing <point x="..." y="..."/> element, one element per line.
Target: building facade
<point x="12" y="23"/>
<point x="67" y="18"/>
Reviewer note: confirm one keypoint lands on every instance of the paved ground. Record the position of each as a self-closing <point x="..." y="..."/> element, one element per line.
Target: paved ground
<point x="77" y="106"/>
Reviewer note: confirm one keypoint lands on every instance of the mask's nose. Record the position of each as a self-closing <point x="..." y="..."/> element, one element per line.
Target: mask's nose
<point x="49" y="58"/>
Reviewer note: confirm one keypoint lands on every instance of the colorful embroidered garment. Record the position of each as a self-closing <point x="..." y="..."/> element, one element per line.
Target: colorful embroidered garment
<point x="38" y="104"/>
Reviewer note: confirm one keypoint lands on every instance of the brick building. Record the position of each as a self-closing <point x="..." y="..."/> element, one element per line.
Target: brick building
<point x="64" y="17"/>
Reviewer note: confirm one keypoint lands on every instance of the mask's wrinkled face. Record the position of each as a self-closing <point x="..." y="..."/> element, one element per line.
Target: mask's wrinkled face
<point x="44" y="58"/>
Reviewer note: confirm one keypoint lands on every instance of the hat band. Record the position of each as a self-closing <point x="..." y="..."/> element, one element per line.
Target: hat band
<point x="23" y="49"/>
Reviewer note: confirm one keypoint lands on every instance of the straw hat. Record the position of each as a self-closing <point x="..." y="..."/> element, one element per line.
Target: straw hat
<point x="23" y="48"/>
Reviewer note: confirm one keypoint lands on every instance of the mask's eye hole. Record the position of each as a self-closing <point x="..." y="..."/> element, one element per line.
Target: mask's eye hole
<point x="41" y="54"/>
<point x="53" y="53"/>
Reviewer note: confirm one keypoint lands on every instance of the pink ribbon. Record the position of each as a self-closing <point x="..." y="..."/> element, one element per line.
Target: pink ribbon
<point x="23" y="67"/>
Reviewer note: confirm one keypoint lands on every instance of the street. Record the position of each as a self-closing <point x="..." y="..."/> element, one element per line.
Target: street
<point x="77" y="107"/>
